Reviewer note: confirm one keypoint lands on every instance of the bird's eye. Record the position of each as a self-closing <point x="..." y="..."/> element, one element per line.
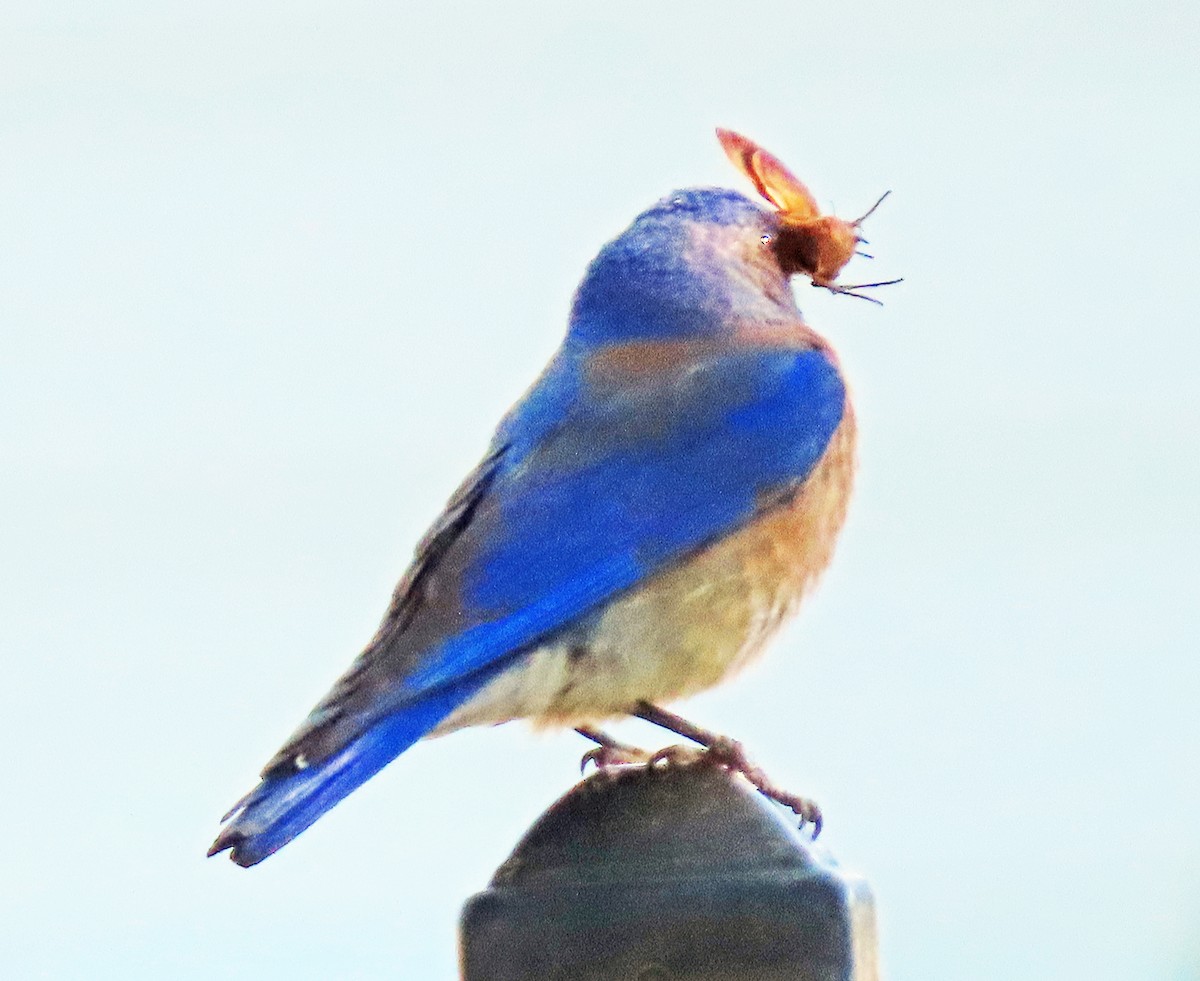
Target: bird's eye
<point x="766" y="240"/>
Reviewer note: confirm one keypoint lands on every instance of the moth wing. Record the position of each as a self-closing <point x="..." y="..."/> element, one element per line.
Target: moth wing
<point x="768" y="174"/>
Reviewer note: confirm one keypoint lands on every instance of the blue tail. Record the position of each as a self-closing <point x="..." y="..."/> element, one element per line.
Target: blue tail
<point x="280" y="807"/>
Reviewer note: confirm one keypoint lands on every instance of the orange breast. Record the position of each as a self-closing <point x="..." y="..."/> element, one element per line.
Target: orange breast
<point x="793" y="544"/>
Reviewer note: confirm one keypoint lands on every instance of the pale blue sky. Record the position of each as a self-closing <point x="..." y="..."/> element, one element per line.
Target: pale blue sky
<point x="272" y="272"/>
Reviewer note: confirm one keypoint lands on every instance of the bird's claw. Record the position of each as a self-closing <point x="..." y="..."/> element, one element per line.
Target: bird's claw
<point x="730" y="755"/>
<point x="677" y="755"/>
<point x="602" y="757"/>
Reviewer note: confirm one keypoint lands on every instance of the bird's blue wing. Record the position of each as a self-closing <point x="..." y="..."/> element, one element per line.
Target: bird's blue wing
<point x="610" y="470"/>
<point x="642" y="470"/>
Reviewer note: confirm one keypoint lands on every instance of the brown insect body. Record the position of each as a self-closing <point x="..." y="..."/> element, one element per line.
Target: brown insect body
<point x="808" y="242"/>
<point x="817" y="247"/>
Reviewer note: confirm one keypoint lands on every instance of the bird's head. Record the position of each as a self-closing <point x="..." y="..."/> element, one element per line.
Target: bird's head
<point x="689" y="265"/>
<point x="703" y="258"/>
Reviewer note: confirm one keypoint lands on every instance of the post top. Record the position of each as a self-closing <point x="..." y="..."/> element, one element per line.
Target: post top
<point x="662" y="823"/>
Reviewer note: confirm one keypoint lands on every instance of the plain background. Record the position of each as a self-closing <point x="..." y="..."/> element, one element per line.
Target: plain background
<point x="270" y="273"/>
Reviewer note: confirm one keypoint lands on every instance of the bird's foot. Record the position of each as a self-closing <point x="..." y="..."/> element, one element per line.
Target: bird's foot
<point x="728" y="754"/>
<point x="603" y="757"/>
<point x="610" y="752"/>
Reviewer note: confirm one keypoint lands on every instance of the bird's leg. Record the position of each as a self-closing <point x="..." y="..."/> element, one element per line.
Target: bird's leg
<point x="609" y="751"/>
<point x="730" y="754"/>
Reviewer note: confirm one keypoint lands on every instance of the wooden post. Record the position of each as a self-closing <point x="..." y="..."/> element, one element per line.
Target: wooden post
<point x="678" y="872"/>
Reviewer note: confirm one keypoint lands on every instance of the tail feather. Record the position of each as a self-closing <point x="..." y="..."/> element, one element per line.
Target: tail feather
<point x="282" y="806"/>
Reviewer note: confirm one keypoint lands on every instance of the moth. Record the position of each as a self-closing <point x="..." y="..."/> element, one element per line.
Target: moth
<point x="807" y="241"/>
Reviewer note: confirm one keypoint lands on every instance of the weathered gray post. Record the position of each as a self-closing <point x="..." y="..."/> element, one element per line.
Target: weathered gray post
<point x="679" y="872"/>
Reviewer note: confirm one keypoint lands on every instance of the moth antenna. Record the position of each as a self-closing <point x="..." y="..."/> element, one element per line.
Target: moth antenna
<point x="865" y="255"/>
<point x="846" y="291"/>
<point x="850" y="290"/>
<point x="867" y="286"/>
<point x="871" y="210"/>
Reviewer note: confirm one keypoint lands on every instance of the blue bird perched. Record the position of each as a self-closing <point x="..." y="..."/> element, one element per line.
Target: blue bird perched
<point x="646" y="516"/>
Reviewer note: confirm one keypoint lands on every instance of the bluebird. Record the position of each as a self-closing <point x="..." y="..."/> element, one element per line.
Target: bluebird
<point x="646" y="516"/>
